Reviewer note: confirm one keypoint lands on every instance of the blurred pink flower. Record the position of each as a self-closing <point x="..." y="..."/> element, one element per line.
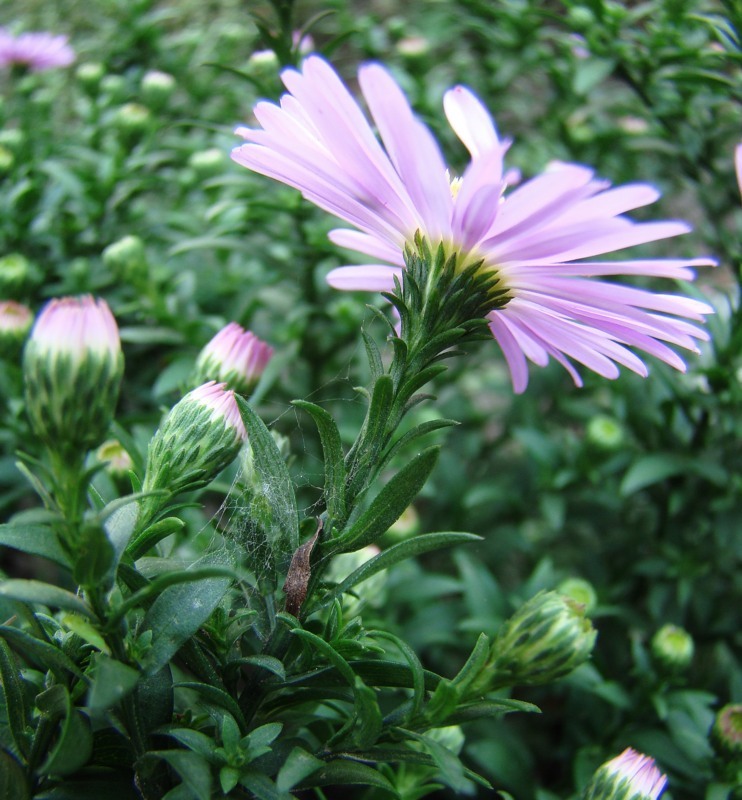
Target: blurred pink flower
<point x="738" y="165"/>
<point x="535" y="238"/>
<point x="37" y="51"/>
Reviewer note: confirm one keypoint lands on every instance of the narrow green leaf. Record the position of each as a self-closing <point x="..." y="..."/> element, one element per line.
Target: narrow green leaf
<point x="152" y="534"/>
<point x="174" y="578"/>
<point x="45" y="594"/>
<point x="43" y="655"/>
<point x="474" y="664"/>
<point x="410" y="548"/>
<point x="195" y="741"/>
<point x="153" y="697"/>
<point x="332" y="450"/>
<point x="74" y="743"/>
<point x="329" y="652"/>
<point x="194" y="770"/>
<point x="179" y="612"/>
<point x="14" y="701"/>
<point x="371" y="440"/>
<point x="298" y="766"/>
<point x="264" y="735"/>
<point x="449" y="764"/>
<point x="415" y="433"/>
<point x="13" y="784"/>
<point x="38" y="540"/>
<point x="85" y="631"/>
<point x="368" y="723"/>
<point x="418" y="380"/>
<point x="217" y="697"/>
<point x="269" y="663"/>
<point x="278" y="488"/>
<point x="497" y="707"/>
<point x="112" y="681"/>
<point x="373" y="354"/>
<point x="343" y="772"/>
<point x="262" y="787"/>
<point x="416" y="669"/>
<point x="387" y="507"/>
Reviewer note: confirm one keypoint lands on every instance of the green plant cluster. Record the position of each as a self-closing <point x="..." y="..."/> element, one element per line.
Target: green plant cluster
<point x="187" y="667"/>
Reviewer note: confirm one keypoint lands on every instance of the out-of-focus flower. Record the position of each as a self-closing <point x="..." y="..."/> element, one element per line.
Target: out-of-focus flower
<point x="727" y="731"/>
<point x="132" y="119"/>
<point x="15" y="323"/>
<point x="72" y="368"/>
<point x="546" y="639"/>
<point x="672" y="648"/>
<point x="90" y="74"/>
<point x="536" y="240"/>
<point x="157" y="87"/>
<point x="37" y="51"/>
<point x="199" y="437"/>
<point x="117" y="460"/>
<point x="207" y="163"/>
<point x="604" y="432"/>
<point x="630" y="776"/>
<point x="127" y="259"/>
<point x="235" y="357"/>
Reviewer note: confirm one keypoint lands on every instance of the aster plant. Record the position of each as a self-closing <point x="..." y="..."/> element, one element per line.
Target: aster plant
<point x="248" y="671"/>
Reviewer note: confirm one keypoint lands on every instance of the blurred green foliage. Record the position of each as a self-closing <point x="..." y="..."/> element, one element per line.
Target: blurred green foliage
<point x="635" y="486"/>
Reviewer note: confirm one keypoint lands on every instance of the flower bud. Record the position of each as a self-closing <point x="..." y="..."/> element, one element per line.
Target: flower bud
<point x="543" y="641"/>
<point x="72" y="367"/>
<point x="17" y="274"/>
<point x="672" y="648"/>
<point x="200" y="436"/>
<point x="581" y="591"/>
<point x="235" y="357"/>
<point x="208" y="163"/>
<point x="12" y="138"/>
<point x="727" y="731"/>
<point x="90" y="75"/>
<point x="630" y="776"/>
<point x="7" y="160"/>
<point x="127" y="259"/>
<point x="117" y="460"/>
<point x="132" y="119"/>
<point x="15" y="323"/>
<point x="604" y="433"/>
<point x="114" y="88"/>
<point x="157" y="88"/>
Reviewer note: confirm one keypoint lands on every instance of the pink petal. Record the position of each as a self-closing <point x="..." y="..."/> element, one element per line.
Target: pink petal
<point x="472" y="123"/>
<point x="365" y="278"/>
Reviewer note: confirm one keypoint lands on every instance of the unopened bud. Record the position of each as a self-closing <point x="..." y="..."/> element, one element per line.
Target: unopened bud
<point x="630" y="776"/>
<point x="15" y="323"/>
<point x="604" y="433"/>
<point x="543" y="641"/>
<point x="235" y="357"/>
<point x="114" y="87"/>
<point x="672" y="648"/>
<point x="7" y="160"/>
<point x="727" y="732"/>
<point x="127" y="259"/>
<point x="200" y="436"/>
<point x="157" y="88"/>
<point x="132" y="119"/>
<point x="207" y="163"/>
<point x="90" y="75"/>
<point x="72" y="367"/>
<point x="12" y="138"/>
<point x="117" y="460"/>
<point x="17" y="274"/>
<point x="581" y="591"/>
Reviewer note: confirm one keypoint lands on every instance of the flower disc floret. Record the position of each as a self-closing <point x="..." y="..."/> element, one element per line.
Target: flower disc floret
<point x="538" y="240"/>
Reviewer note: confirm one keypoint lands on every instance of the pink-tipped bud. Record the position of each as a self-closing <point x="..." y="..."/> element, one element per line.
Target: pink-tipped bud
<point x="235" y="357"/>
<point x="629" y="776"/>
<point x="200" y="436"/>
<point x="15" y="322"/>
<point x="72" y="367"/>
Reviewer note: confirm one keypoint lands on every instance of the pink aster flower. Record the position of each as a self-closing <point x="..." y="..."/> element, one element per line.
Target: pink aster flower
<point x="540" y="239"/>
<point x="629" y="776"/>
<point x="235" y="356"/>
<point x="76" y="327"/>
<point x="37" y="51"/>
